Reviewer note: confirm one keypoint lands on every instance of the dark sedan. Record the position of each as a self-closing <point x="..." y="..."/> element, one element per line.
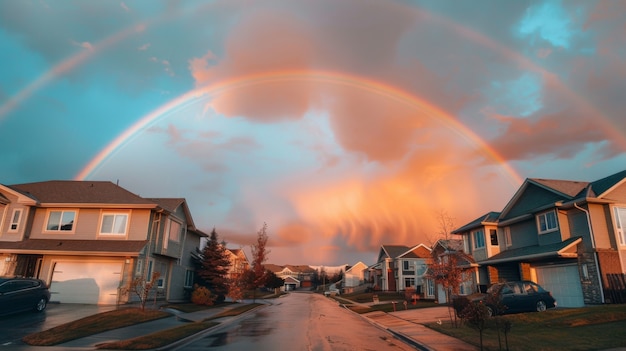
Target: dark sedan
<point x="517" y="296"/>
<point x="22" y="294"/>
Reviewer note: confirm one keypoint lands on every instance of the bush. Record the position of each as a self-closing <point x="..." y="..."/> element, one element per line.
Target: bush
<point x="202" y="296"/>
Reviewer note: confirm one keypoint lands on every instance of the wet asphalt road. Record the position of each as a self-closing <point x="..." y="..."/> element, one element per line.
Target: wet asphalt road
<point x="298" y="321"/>
<point x="15" y="326"/>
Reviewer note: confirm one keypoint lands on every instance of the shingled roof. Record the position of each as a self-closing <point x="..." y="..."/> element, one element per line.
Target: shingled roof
<point x="80" y="192"/>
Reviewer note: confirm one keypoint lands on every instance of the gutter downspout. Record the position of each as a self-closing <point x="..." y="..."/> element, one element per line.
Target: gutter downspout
<point x="595" y="252"/>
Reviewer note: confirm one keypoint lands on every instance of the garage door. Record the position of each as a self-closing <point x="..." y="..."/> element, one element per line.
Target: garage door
<point x="86" y="282"/>
<point x="564" y="284"/>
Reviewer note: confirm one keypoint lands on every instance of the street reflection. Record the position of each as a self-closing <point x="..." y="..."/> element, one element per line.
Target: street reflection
<point x="255" y="327"/>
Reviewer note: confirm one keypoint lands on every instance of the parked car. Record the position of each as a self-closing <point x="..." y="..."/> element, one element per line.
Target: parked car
<point x="514" y="297"/>
<point x="22" y="294"/>
<point x="332" y="290"/>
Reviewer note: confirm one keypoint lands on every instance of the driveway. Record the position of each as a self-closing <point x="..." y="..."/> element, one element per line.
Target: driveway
<point x="15" y="326"/>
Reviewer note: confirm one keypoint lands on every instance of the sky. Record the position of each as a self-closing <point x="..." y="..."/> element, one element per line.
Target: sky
<point x="341" y="124"/>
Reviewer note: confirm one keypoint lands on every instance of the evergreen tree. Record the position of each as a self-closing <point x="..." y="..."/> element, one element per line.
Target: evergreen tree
<point x="214" y="267"/>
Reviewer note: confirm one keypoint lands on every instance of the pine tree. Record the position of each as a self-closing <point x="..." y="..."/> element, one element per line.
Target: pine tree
<point x="215" y="266"/>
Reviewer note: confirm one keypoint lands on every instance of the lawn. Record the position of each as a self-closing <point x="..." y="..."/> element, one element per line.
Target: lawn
<point x="385" y="302"/>
<point x="589" y="328"/>
<point x="167" y="337"/>
<point x="124" y="317"/>
<point x="91" y="325"/>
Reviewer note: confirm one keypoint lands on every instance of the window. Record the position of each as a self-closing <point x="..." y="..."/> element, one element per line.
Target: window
<point x="547" y="222"/>
<point x="409" y="282"/>
<point x="139" y="268"/>
<point x="493" y="236"/>
<point x="620" y="224"/>
<point x="189" y="278"/>
<point x="585" y="271"/>
<point x="149" y="275"/>
<point x="405" y="265"/>
<point x="60" y="221"/>
<point x="15" y="220"/>
<point x="160" y="283"/>
<point x="479" y="239"/>
<point x="431" y="287"/>
<point x="114" y="223"/>
<point x="174" y="229"/>
<point x="507" y="236"/>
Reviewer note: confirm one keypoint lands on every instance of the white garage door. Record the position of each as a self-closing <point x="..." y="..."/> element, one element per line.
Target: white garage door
<point x="564" y="284"/>
<point x="86" y="282"/>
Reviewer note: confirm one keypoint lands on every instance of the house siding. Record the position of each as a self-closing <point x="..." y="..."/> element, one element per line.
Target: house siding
<point x="603" y="231"/>
<point x="617" y="194"/>
<point x="578" y="227"/>
<point x="523" y="234"/>
<point x="532" y="198"/>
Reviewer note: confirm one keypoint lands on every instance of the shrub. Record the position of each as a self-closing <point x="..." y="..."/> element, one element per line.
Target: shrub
<point x="202" y="296"/>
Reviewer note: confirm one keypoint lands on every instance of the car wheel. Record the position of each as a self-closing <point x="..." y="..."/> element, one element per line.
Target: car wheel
<point x="41" y="304"/>
<point x="541" y="306"/>
<point x="490" y="311"/>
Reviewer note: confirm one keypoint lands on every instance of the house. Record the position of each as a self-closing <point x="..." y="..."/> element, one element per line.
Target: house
<point x="354" y="275"/>
<point x="399" y="267"/>
<point x="566" y="235"/>
<point x="89" y="239"/>
<point x="238" y="262"/>
<point x="295" y="276"/>
<point x="449" y="254"/>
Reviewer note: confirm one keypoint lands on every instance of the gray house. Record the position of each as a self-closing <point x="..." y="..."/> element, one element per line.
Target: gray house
<point x="568" y="236"/>
<point x="89" y="239"/>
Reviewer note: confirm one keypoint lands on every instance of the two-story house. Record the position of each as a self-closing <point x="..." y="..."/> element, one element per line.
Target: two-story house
<point x="238" y="263"/>
<point x="448" y="254"/>
<point x="399" y="267"/>
<point x="89" y="239"/>
<point x="566" y="235"/>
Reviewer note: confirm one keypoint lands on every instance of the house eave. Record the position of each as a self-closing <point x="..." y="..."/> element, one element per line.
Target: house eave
<point x="71" y="253"/>
<point x="98" y="205"/>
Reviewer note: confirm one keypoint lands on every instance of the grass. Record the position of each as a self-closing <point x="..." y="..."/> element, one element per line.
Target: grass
<point x="385" y="304"/>
<point x="588" y="328"/>
<point x="102" y="322"/>
<point x="158" y="339"/>
<point x="169" y="336"/>
<point x="192" y="307"/>
<point x="91" y="325"/>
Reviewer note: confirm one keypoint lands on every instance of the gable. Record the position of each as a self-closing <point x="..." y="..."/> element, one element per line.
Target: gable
<point x="617" y="193"/>
<point x="531" y="198"/>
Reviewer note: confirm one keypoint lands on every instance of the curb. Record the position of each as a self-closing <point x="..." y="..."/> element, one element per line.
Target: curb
<point x="190" y="338"/>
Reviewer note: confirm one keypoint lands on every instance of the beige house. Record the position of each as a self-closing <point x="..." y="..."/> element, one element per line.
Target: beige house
<point x="89" y="239"/>
<point x="238" y="262"/>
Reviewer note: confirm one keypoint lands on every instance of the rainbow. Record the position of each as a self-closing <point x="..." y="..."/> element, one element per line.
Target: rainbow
<point x="329" y="77"/>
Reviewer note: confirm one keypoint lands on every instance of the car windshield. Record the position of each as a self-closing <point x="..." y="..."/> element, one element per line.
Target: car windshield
<point x="494" y="288"/>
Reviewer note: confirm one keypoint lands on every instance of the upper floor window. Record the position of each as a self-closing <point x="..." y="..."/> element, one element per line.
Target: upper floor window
<point x="15" y="220"/>
<point x="114" y="223"/>
<point x="405" y="265"/>
<point x="174" y="230"/>
<point x="547" y="222"/>
<point x="60" y="221"/>
<point x="493" y="237"/>
<point x="620" y="224"/>
<point x="507" y="236"/>
<point x="479" y="239"/>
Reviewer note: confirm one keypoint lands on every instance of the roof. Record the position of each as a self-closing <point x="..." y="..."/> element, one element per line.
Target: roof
<point x="80" y="192"/>
<point x="488" y="218"/>
<point x="168" y="204"/>
<point x="566" y="187"/>
<point x="601" y="186"/>
<point x="394" y="251"/>
<point x="75" y="247"/>
<point x="449" y="244"/>
<point x="564" y="249"/>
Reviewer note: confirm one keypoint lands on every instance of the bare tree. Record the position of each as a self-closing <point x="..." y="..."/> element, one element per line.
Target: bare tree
<point x="445" y="223"/>
<point x="142" y="287"/>
<point x="259" y="256"/>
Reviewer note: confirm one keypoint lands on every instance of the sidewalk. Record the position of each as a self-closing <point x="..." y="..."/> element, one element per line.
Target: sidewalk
<point x="408" y="326"/>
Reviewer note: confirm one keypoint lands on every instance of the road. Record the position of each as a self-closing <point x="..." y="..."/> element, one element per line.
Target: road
<point x="299" y="321"/>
